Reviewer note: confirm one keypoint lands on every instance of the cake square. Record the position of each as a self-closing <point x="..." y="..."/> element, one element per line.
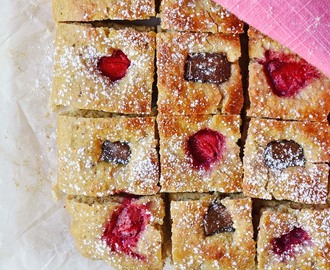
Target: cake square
<point x="287" y="160"/>
<point x="198" y="16"/>
<point x="97" y="10"/>
<point x="198" y="73"/>
<point x="106" y="69"/>
<point x="105" y="156"/>
<point x="294" y="239"/>
<point x="282" y="85"/>
<point x="123" y="231"/>
<point x="200" y="153"/>
<point x="213" y="233"/>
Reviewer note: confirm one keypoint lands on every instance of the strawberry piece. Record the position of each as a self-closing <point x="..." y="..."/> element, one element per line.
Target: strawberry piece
<point x="125" y="226"/>
<point x="115" y="66"/>
<point x="205" y="148"/>
<point x="286" y="243"/>
<point x="287" y="76"/>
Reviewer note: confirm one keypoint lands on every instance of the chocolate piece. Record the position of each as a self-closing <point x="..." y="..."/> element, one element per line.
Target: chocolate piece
<point x="283" y="154"/>
<point x="207" y="68"/>
<point x="217" y="220"/>
<point x="116" y="152"/>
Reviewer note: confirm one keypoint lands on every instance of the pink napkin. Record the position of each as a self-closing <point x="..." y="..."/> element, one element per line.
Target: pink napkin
<point x="301" y="25"/>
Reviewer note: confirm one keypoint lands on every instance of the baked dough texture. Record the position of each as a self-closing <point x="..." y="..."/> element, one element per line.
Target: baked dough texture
<point x="96" y="10"/>
<point x="276" y="222"/>
<point x="178" y="96"/>
<point x="198" y="16"/>
<point x="78" y="84"/>
<point x="177" y="171"/>
<point x="304" y="184"/>
<point x="312" y="103"/>
<point x="161" y="175"/>
<point x="230" y="250"/>
<point x="80" y="170"/>
<point x="89" y="216"/>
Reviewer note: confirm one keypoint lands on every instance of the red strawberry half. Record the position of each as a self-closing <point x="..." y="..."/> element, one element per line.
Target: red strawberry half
<point x="286" y="243"/>
<point x="114" y="66"/>
<point x="286" y="75"/>
<point x="126" y="224"/>
<point x="205" y="147"/>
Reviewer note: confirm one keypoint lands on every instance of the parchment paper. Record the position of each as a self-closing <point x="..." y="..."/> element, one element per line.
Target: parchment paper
<point x="34" y="229"/>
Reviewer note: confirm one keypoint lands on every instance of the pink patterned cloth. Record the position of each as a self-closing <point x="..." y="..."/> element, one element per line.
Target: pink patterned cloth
<point x="301" y="25"/>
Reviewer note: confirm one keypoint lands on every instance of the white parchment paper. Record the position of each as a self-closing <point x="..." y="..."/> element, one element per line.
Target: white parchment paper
<point x="34" y="230"/>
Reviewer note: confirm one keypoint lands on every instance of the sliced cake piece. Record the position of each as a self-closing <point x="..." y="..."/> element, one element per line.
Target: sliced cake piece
<point x="104" y="156"/>
<point x="282" y="85"/>
<point x="198" y="73"/>
<point x="105" y="69"/>
<point x="123" y="231"/>
<point x="87" y="10"/>
<point x="212" y="233"/>
<point x="198" y="16"/>
<point x="294" y="239"/>
<point x="200" y="153"/>
<point x="287" y="160"/>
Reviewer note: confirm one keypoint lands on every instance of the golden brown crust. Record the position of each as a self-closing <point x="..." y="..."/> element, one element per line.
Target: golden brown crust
<point x="88" y="220"/>
<point x="276" y="222"/>
<point x="193" y="250"/>
<point x="177" y="171"/>
<point x="95" y="10"/>
<point x="78" y="84"/>
<point x="259" y="44"/>
<point x="178" y="96"/>
<point x="80" y="170"/>
<point x="198" y="16"/>
<point x="309" y="104"/>
<point x="306" y="184"/>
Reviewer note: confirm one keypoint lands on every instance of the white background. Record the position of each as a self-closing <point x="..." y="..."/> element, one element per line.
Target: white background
<point x="34" y="229"/>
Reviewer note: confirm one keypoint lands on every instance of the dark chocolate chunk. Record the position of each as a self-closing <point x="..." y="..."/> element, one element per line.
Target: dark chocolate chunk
<point x="217" y="220"/>
<point x="207" y="68"/>
<point x="282" y="154"/>
<point x="116" y="152"/>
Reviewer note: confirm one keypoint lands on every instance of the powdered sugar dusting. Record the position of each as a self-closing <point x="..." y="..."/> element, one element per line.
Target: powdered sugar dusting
<point x="198" y="16"/>
<point x="309" y="104"/>
<point x="305" y="183"/>
<point x="279" y="221"/>
<point x="82" y="172"/>
<point x="178" y="96"/>
<point x="222" y="249"/>
<point x="178" y="173"/>
<point x="72" y="10"/>
<point x="89" y="217"/>
<point x="79" y="84"/>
